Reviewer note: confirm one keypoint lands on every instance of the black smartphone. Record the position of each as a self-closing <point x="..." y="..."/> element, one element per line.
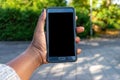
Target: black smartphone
<point x="61" y="33"/>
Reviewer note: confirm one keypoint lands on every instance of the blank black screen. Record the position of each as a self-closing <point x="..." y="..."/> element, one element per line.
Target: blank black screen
<point x="61" y="34"/>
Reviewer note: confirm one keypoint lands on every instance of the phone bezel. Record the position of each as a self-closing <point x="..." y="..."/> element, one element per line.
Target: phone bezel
<point x="60" y="10"/>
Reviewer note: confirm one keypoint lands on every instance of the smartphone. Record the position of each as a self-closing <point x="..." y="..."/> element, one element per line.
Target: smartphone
<point x="61" y="33"/>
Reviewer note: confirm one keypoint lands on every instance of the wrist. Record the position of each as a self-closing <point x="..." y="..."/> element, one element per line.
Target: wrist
<point x="35" y="53"/>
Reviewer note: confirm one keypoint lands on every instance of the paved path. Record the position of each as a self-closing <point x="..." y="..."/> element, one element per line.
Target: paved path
<point x="100" y="60"/>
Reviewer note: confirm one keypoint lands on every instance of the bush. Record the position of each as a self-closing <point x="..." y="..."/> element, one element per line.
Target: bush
<point x="83" y="20"/>
<point x="19" y="18"/>
<point x="17" y="25"/>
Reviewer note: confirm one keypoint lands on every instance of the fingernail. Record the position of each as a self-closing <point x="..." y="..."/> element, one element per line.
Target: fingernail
<point x="82" y="28"/>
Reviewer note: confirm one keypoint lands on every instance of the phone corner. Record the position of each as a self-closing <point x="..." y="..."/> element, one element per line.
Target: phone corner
<point x="76" y="59"/>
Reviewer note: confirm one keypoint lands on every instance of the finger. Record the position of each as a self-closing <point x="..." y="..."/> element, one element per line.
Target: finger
<point x="76" y="17"/>
<point x="77" y="39"/>
<point x="79" y="29"/>
<point x="79" y="51"/>
<point x="41" y="21"/>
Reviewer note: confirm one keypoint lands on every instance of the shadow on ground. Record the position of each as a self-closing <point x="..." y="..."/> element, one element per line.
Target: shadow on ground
<point x="100" y="60"/>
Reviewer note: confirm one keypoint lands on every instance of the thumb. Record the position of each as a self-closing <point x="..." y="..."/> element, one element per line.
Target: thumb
<point x="41" y="21"/>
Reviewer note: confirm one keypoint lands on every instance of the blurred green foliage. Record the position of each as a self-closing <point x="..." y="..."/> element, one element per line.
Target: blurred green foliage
<point x="107" y="15"/>
<point x="19" y="18"/>
<point x="82" y="11"/>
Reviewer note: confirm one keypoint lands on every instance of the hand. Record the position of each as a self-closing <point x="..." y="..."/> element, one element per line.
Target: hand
<point x="39" y="40"/>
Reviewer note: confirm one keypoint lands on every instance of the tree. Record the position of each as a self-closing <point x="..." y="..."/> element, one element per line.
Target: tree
<point x="107" y="15"/>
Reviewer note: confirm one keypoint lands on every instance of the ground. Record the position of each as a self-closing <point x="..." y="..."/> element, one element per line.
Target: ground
<point x="99" y="60"/>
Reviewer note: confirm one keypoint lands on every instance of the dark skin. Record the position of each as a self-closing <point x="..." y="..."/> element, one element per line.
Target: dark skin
<point x="35" y="55"/>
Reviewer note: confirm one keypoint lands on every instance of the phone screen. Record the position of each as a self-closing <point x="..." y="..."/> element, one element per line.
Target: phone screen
<point x="61" y="34"/>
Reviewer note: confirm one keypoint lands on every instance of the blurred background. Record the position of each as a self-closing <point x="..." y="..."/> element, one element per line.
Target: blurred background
<point x="18" y="18"/>
<point x="100" y="58"/>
